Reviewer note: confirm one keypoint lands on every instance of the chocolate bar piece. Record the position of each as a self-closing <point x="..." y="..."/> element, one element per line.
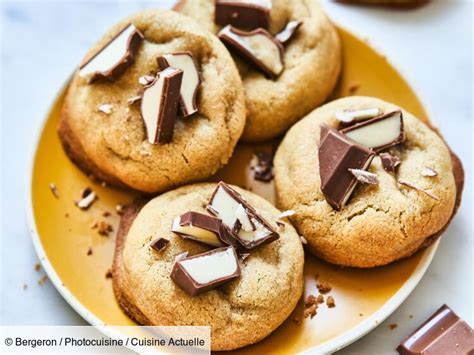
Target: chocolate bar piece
<point x="200" y="227"/>
<point x="350" y="116"/>
<point x="159" y="106"/>
<point x="258" y="47"/>
<point x="443" y="333"/>
<point x="337" y="154"/>
<point x="245" y="14"/>
<point x="378" y="133"/>
<point x="389" y="162"/>
<point x="285" y="35"/>
<point x="245" y="224"/>
<point x="263" y="169"/>
<point x="159" y="244"/>
<point x="114" y="57"/>
<point x="191" y="79"/>
<point x="203" y="272"/>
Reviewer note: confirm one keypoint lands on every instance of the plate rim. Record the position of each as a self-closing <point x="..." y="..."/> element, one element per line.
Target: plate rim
<point x="337" y="343"/>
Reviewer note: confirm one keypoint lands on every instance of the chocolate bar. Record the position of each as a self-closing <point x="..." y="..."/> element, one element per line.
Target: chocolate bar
<point x="200" y="227"/>
<point x="443" y="333"/>
<point x="114" y="57"/>
<point x="378" y="133"/>
<point x="159" y="106"/>
<point x="203" y="272"/>
<point x="258" y="47"/>
<point x="241" y="219"/>
<point x="337" y="154"/>
<point x="190" y="82"/>
<point x="244" y="14"/>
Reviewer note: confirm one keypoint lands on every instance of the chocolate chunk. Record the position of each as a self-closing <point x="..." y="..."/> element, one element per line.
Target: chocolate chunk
<point x="87" y="198"/>
<point x="191" y="79"/>
<point x="288" y="32"/>
<point x="114" y="57"/>
<point x="428" y="172"/>
<point x="258" y="47"/>
<point x="263" y="170"/>
<point x="159" y="244"/>
<point x="203" y="272"/>
<point x="199" y="227"/>
<point x="105" y="108"/>
<point x="389" y="162"/>
<point x="159" y="106"/>
<point x="337" y="154"/>
<point x="244" y="14"/>
<point x="351" y="116"/>
<point x="411" y="186"/>
<point x="241" y="219"/>
<point x="365" y="176"/>
<point x="378" y="133"/>
<point x="443" y="333"/>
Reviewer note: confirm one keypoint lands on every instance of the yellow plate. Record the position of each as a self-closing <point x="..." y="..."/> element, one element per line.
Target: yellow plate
<point x="62" y="233"/>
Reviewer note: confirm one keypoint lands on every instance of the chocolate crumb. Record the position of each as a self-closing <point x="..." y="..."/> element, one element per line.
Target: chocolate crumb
<point x="89" y="251"/>
<point x="105" y="108"/>
<point x="145" y="79"/>
<point x="392" y="326"/>
<point x="263" y="169"/>
<point x="133" y="99"/>
<point x="330" y="302"/>
<point x="37" y="267"/>
<point x="389" y="162"/>
<point x="87" y="198"/>
<point x="296" y="320"/>
<point x="310" y="300"/>
<point x="244" y="256"/>
<point x="310" y="311"/>
<point x="286" y="214"/>
<point x="108" y="274"/>
<point x="361" y="315"/>
<point x="103" y="228"/>
<point x="410" y="185"/>
<point x="106" y="214"/>
<point x="303" y="240"/>
<point x="428" y="172"/>
<point x="54" y="189"/>
<point x="42" y="280"/>
<point x="280" y="225"/>
<point x="353" y="88"/>
<point x="120" y="209"/>
<point x="365" y="176"/>
<point x="323" y="287"/>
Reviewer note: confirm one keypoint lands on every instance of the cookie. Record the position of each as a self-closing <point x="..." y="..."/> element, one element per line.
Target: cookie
<point x="403" y="212"/>
<point x="311" y="65"/>
<point x="102" y="124"/>
<point x="241" y="311"/>
<point x="391" y="3"/>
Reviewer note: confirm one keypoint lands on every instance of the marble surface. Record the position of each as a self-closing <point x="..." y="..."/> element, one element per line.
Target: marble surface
<point x="43" y="41"/>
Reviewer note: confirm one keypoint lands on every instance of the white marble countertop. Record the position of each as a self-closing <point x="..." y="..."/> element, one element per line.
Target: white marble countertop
<point x="43" y="41"/>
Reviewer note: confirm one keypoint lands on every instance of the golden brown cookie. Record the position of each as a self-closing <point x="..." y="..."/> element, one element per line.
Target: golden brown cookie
<point x="102" y="129"/>
<point x="380" y="223"/>
<point x="312" y="62"/>
<point x="391" y="3"/>
<point x="240" y="312"/>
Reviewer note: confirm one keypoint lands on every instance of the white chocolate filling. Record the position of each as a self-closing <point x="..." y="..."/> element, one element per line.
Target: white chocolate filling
<point x="196" y="233"/>
<point x="348" y="116"/>
<point x="377" y="134"/>
<point x="267" y="4"/>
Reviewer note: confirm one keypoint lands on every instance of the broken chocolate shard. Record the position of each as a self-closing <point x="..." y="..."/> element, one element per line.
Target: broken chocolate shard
<point x="244" y="14"/>
<point x="428" y="172"/>
<point x="190" y="82"/>
<point x="159" y="244"/>
<point x="87" y="198"/>
<point x="258" y="47"/>
<point x="416" y="188"/>
<point x="263" y="169"/>
<point x="351" y="116"/>
<point x="287" y="33"/>
<point x="378" y="133"/>
<point x="203" y="272"/>
<point x="114" y="57"/>
<point x="443" y="333"/>
<point x="337" y="154"/>
<point x="240" y="218"/>
<point x="389" y="162"/>
<point x="365" y="176"/>
<point x="159" y="106"/>
<point x="198" y="227"/>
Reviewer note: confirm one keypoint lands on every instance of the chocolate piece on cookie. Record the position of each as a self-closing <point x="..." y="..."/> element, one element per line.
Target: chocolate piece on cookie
<point x="389" y="162"/>
<point x="159" y="105"/>
<point x="244" y="14"/>
<point x="245" y="224"/>
<point x="352" y="116"/>
<point x="203" y="272"/>
<point x="378" y="133"/>
<point x="114" y="57"/>
<point x="258" y="47"/>
<point x="190" y="82"/>
<point x="337" y="155"/>
<point x="285" y="34"/>
<point x="159" y="244"/>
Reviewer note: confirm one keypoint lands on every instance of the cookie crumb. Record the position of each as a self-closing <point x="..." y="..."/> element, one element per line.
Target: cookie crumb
<point x="323" y="287"/>
<point x="320" y="299"/>
<point x="311" y="311"/>
<point x="108" y="274"/>
<point x="42" y="280"/>
<point x="103" y="228"/>
<point x="37" y="267"/>
<point x="54" y="189"/>
<point x="310" y="300"/>
<point x="89" y="251"/>
<point x="120" y="209"/>
<point x="392" y="326"/>
<point x="296" y="320"/>
<point x="330" y="302"/>
<point x="106" y="214"/>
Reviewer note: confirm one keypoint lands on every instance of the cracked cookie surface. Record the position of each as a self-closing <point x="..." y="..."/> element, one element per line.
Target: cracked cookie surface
<point x="312" y="65"/>
<point x="240" y="312"/>
<point x="113" y="146"/>
<point x="380" y="223"/>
